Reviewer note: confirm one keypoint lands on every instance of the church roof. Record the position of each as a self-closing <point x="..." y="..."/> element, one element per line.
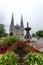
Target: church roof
<point x="17" y="25"/>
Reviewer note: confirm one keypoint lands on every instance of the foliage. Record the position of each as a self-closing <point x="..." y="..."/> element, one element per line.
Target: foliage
<point x="20" y="47"/>
<point x="39" y="33"/>
<point x="9" y="58"/>
<point x="2" y="30"/>
<point x="14" y="43"/>
<point x="33" y="59"/>
<point x="5" y="34"/>
<point x="10" y="43"/>
<point x="10" y="40"/>
<point x="33" y="35"/>
<point x="11" y="33"/>
<point x="1" y="40"/>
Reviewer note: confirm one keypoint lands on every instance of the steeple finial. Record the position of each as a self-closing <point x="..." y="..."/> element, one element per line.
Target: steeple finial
<point x="27" y="24"/>
<point x="21" y="23"/>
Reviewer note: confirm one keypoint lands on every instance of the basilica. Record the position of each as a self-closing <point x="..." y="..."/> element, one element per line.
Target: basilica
<point x="17" y="30"/>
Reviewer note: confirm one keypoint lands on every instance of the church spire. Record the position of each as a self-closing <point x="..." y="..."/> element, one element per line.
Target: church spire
<point x="12" y="20"/>
<point x="12" y="24"/>
<point x="21" y="23"/>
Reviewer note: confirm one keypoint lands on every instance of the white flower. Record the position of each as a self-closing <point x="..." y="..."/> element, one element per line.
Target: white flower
<point x="37" y="56"/>
<point x="0" y="61"/>
<point x="40" y="62"/>
<point x="32" y="58"/>
<point x="35" y="63"/>
<point x="5" y="57"/>
<point x="0" y="55"/>
<point x="15" y="63"/>
<point x="42" y="58"/>
<point x="27" y="60"/>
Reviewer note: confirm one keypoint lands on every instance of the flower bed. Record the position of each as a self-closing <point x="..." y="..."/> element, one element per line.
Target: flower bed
<point x="9" y="43"/>
<point x="20" y="47"/>
<point x="13" y="43"/>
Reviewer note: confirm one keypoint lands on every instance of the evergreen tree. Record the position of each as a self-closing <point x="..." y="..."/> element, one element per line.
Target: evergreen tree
<point x="2" y="31"/>
<point x="11" y="33"/>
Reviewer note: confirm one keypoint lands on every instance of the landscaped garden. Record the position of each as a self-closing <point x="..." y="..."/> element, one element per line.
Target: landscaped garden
<point x="14" y="51"/>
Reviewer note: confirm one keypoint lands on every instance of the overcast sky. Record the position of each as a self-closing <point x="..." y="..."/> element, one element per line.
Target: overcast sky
<point x="32" y="11"/>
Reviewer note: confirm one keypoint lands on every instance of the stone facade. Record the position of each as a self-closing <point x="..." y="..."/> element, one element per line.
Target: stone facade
<point x="17" y="30"/>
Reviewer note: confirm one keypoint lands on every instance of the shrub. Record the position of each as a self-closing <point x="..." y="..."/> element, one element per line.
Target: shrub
<point x="9" y="58"/>
<point x="33" y="59"/>
<point x="10" y="39"/>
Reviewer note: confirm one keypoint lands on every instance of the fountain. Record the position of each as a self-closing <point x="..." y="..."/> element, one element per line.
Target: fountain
<point x="27" y="31"/>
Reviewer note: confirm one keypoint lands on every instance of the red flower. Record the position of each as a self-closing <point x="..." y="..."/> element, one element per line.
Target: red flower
<point x="8" y="49"/>
<point x="1" y="51"/>
<point x="27" y="41"/>
<point x="15" y="47"/>
<point x="12" y="43"/>
<point x="35" y="50"/>
<point x="4" y="51"/>
<point x="4" y="43"/>
<point x="19" y="43"/>
<point x="25" y="46"/>
<point x="27" y="50"/>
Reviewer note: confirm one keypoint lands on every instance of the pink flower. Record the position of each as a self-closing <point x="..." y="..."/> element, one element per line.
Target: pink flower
<point x="25" y="46"/>
<point x="35" y="50"/>
<point x="8" y="49"/>
<point x="4" y="51"/>
<point x="1" y="51"/>
<point x="27" y="41"/>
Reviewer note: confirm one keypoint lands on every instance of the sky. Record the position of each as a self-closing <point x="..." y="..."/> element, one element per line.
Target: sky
<point x="31" y="10"/>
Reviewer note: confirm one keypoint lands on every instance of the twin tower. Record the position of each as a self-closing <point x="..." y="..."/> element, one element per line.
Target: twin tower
<point x="17" y="30"/>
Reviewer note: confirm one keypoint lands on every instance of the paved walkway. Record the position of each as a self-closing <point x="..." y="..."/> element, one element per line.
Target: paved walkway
<point x="37" y="41"/>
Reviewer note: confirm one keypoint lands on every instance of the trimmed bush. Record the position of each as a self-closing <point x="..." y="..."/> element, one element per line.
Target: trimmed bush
<point x="33" y="59"/>
<point x="9" y="58"/>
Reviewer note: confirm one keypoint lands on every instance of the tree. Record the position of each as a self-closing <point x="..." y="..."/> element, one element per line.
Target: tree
<point x="39" y="33"/>
<point x="11" y="33"/>
<point x="5" y="34"/>
<point x="33" y="35"/>
<point x="2" y="30"/>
